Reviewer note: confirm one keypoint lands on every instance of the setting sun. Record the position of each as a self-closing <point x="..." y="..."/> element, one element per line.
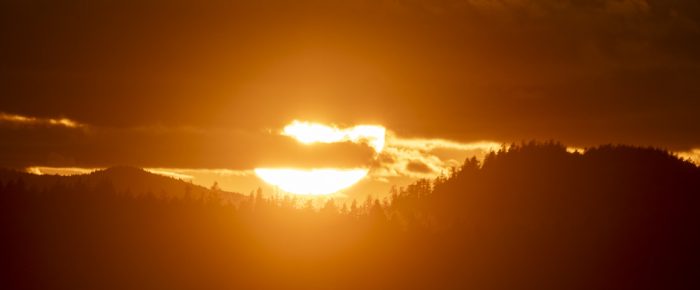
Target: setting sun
<point x="321" y="181"/>
<point x="313" y="181"/>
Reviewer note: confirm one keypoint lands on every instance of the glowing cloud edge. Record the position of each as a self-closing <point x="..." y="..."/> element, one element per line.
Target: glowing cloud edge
<point x="309" y="132"/>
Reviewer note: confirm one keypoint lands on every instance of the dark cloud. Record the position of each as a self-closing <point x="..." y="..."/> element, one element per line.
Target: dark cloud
<point x="584" y="72"/>
<point x="168" y="147"/>
<point x="418" y="167"/>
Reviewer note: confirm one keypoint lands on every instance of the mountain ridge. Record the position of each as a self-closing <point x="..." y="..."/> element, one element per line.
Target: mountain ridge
<point x="123" y="179"/>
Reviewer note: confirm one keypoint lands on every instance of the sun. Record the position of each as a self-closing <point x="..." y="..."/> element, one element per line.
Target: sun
<point x="312" y="181"/>
<point x="322" y="181"/>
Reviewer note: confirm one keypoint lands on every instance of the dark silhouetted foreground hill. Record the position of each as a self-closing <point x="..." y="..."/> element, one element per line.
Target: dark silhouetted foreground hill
<point x="530" y="217"/>
<point x="536" y="216"/>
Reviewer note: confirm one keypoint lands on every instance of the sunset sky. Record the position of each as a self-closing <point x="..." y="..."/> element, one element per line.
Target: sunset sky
<point x="206" y="92"/>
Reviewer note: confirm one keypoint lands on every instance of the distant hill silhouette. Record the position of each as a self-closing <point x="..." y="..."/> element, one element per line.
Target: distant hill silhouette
<point x="532" y="216"/>
<point x="124" y="179"/>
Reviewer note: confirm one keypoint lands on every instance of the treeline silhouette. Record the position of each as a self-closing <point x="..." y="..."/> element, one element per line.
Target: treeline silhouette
<point x="532" y="216"/>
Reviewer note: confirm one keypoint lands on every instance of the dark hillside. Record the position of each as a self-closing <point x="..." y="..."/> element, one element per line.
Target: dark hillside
<point x="530" y="217"/>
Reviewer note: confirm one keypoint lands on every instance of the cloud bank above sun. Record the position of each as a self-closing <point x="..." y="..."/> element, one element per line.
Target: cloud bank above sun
<point x="308" y="132"/>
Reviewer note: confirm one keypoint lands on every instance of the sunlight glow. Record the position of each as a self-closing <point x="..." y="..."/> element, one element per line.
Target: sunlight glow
<point x="327" y="180"/>
<point x="312" y="181"/>
<point x="308" y="132"/>
<point x="579" y="150"/>
<point x="66" y="171"/>
<point x="692" y="155"/>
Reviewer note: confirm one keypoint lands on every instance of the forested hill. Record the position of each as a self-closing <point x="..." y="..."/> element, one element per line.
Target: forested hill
<point x="544" y="179"/>
<point x="614" y="217"/>
<point x="121" y="179"/>
<point x="532" y="216"/>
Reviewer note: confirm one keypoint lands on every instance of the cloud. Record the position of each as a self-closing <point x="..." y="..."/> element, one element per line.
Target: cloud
<point x="424" y="157"/>
<point x="34" y="121"/>
<point x="583" y="72"/>
<point x="309" y="133"/>
<point x="418" y="167"/>
<point x="424" y="144"/>
<point x="169" y="147"/>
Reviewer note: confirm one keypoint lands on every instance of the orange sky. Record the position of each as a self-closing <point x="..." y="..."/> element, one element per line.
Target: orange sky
<point x="163" y="84"/>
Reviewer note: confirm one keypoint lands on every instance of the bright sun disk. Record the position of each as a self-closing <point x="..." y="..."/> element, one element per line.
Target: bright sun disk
<point x="312" y="181"/>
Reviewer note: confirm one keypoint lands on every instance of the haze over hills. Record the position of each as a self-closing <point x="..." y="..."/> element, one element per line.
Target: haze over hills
<point x="123" y="179"/>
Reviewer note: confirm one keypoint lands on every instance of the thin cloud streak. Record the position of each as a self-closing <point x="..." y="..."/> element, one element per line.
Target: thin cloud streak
<point x="191" y="173"/>
<point x="424" y="157"/>
<point x="64" y="171"/>
<point x="28" y="120"/>
<point x="437" y="143"/>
